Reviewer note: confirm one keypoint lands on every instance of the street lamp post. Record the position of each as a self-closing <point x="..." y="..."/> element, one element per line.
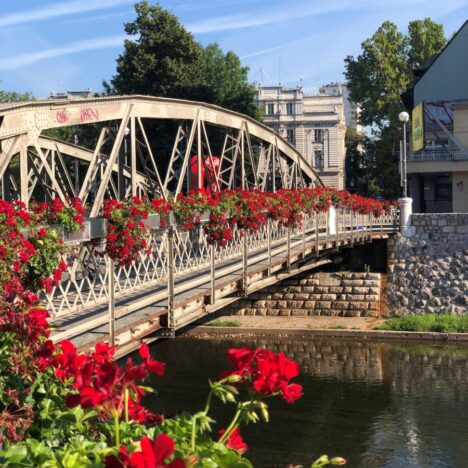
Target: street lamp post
<point x="404" y="117"/>
<point x="405" y="202"/>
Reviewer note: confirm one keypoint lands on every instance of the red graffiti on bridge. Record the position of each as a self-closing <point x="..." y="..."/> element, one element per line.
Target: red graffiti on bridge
<point x="62" y="116"/>
<point x="88" y="114"/>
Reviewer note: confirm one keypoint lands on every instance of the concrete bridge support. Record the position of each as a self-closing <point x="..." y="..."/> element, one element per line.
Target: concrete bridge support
<point x="340" y="294"/>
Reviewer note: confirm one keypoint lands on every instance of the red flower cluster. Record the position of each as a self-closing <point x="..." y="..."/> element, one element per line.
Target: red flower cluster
<point x="49" y="282"/>
<point x="70" y="216"/>
<point x="249" y="210"/>
<point x="153" y="454"/>
<point x="161" y="207"/>
<point x="218" y="230"/>
<point x="27" y="258"/>
<point x="188" y="208"/>
<point x="126" y="232"/>
<point x="235" y="440"/>
<point x="101" y="383"/>
<point x="266" y="372"/>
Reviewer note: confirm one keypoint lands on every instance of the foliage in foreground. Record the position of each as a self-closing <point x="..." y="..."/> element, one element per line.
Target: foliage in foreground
<point x="61" y="408"/>
<point x="444" y="323"/>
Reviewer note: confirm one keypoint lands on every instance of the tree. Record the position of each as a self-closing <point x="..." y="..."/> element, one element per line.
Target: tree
<point x="224" y="81"/>
<point x="369" y="170"/>
<point x="165" y="60"/>
<point x="376" y="79"/>
<point x="162" y="60"/>
<point x="426" y="39"/>
<point x="9" y="96"/>
<point x="379" y="75"/>
<point x="356" y="163"/>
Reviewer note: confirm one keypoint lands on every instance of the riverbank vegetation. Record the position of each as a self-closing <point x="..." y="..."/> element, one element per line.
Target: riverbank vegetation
<point x="443" y="323"/>
<point x="224" y="323"/>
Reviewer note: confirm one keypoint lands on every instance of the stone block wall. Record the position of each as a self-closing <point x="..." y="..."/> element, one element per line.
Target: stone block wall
<point x="317" y="294"/>
<point x="428" y="272"/>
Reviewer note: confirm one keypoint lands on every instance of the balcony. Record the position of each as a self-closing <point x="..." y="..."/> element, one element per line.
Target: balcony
<point x="443" y="154"/>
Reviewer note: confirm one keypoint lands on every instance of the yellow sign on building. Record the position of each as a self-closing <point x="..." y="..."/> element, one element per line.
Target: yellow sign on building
<point x="417" y="134"/>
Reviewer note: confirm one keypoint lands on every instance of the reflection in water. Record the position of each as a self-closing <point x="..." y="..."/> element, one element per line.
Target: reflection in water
<point x="376" y="404"/>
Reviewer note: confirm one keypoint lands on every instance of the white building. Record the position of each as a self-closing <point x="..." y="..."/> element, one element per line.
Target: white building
<point x="314" y="124"/>
<point x="86" y="94"/>
<point x="351" y="109"/>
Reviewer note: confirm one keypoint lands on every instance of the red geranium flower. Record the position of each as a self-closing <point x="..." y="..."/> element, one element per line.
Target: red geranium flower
<point x="235" y="440"/>
<point x="154" y="453"/>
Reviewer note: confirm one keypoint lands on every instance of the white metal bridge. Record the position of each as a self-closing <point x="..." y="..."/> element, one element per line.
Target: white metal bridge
<point x="115" y="147"/>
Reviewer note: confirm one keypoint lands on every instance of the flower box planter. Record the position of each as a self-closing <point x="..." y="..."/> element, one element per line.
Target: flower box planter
<point x="153" y="221"/>
<point x="97" y="228"/>
<point x="58" y="228"/>
<point x="205" y="217"/>
<point x="82" y="235"/>
<point x="93" y="228"/>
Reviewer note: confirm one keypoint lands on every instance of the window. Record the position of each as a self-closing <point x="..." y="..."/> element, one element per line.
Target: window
<point x="443" y="192"/>
<point x="319" y="159"/>
<point x="289" y="108"/>
<point x="318" y="135"/>
<point x="290" y="135"/>
<point x="270" y="109"/>
<point x="436" y="144"/>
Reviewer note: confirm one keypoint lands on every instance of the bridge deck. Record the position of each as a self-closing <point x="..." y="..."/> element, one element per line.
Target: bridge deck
<point x="145" y="311"/>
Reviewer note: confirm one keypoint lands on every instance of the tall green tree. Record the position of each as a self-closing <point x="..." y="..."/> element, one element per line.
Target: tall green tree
<point x="162" y="59"/>
<point x="224" y="81"/>
<point x="165" y="60"/>
<point x="426" y="38"/>
<point x="376" y="78"/>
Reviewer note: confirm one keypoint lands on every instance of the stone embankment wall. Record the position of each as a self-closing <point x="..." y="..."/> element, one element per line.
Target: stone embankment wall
<point x="330" y="294"/>
<point x="428" y="272"/>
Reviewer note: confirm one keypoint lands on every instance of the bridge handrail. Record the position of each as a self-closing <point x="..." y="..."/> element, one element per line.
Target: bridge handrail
<point x="175" y="254"/>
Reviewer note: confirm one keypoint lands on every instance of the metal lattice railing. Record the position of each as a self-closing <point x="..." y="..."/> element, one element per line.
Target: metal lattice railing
<point x="175" y="253"/>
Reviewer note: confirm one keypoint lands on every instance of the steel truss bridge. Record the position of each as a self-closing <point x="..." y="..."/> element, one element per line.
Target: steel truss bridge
<point x="119" y="146"/>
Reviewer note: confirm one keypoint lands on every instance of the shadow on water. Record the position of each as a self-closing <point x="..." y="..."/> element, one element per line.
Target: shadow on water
<point x="376" y="404"/>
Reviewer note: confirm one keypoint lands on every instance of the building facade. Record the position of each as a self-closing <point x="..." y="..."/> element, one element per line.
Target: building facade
<point x="437" y="165"/>
<point x="314" y="124"/>
<point x="351" y="109"/>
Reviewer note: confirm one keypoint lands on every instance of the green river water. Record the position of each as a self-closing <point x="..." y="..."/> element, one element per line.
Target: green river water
<point x="376" y="404"/>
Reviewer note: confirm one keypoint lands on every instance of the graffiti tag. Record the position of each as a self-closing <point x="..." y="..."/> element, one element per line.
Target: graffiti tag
<point x="88" y="114"/>
<point x="62" y="116"/>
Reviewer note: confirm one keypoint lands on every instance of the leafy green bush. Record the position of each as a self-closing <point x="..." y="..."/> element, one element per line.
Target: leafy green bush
<point x="224" y="323"/>
<point x="443" y="323"/>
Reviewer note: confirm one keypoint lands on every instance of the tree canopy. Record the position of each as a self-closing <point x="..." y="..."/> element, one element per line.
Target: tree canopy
<point x="165" y="60"/>
<point x="425" y="39"/>
<point x="10" y="96"/>
<point x="376" y="78"/>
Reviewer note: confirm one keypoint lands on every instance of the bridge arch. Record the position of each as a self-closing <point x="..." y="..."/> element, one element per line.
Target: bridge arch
<point x="120" y="160"/>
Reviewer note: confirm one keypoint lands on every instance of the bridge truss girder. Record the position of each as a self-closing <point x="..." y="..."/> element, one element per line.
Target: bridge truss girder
<point x="122" y="159"/>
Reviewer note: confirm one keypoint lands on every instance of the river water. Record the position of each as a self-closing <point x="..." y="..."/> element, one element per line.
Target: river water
<point x="376" y="404"/>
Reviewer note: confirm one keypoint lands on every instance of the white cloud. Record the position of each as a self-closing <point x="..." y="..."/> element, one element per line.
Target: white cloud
<point x="55" y="10"/>
<point x="261" y="18"/>
<point x="278" y="47"/>
<point x="105" y="17"/>
<point x="304" y="9"/>
<point x="11" y="63"/>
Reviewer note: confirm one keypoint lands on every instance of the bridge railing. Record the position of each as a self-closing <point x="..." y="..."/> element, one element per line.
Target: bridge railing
<point x="92" y="280"/>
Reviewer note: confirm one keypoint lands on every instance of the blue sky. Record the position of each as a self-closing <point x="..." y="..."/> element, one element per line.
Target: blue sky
<point x="53" y="45"/>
